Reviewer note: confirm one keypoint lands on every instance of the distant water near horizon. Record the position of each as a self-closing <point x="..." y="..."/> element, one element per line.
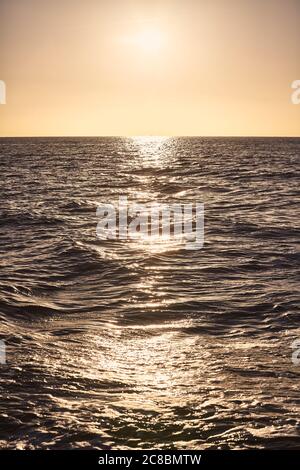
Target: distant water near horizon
<point x="123" y="345"/>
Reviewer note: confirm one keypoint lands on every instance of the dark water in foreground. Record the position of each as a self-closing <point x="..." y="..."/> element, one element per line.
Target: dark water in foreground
<point x="123" y="345"/>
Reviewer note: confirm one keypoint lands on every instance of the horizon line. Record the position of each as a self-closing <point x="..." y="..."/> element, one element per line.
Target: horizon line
<point x="149" y="135"/>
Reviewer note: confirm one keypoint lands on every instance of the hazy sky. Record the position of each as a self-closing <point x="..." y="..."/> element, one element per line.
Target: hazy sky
<point x="140" y="67"/>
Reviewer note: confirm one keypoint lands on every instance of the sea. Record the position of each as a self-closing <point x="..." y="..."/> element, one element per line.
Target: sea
<point x="145" y="344"/>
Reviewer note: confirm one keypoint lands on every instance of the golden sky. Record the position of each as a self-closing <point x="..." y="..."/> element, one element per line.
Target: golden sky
<point x="149" y="67"/>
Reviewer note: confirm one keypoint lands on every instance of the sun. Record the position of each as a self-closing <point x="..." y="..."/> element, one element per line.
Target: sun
<point x="150" y="40"/>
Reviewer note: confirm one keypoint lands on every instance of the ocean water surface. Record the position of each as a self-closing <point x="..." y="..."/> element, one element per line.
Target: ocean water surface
<point x="116" y="344"/>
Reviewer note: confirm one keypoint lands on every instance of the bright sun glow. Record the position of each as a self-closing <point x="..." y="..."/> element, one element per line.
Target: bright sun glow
<point x="150" y="40"/>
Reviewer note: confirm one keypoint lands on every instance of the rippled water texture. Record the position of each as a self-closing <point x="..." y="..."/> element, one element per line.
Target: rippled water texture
<point x="119" y="344"/>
